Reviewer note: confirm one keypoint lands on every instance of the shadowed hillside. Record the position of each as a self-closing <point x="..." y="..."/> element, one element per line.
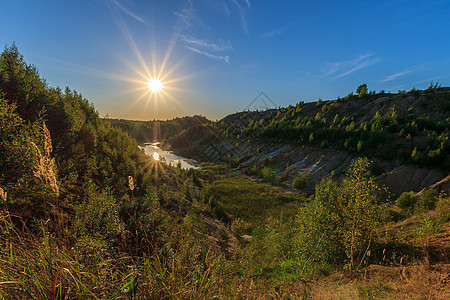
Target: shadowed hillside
<point x="406" y="134"/>
<point x="156" y="131"/>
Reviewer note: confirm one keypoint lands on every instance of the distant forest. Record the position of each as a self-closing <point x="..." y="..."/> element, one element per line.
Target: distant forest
<point x="156" y="131"/>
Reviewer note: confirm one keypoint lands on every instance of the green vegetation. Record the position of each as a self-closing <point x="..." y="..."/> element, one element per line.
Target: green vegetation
<point x="418" y="135"/>
<point x="156" y="131"/>
<point x="362" y="90"/>
<point x="410" y="203"/>
<point x="84" y="214"/>
<point x="301" y="181"/>
<point x="339" y="223"/>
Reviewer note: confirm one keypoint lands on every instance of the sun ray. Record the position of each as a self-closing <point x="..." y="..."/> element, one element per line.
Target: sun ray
<point x="153" y="76"/>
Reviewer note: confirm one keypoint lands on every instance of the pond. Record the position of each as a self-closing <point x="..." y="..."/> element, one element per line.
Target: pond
<point x="166" y="156"/>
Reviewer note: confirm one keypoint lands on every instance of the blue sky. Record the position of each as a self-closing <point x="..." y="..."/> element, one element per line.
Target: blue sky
<point x="215" y="56"/>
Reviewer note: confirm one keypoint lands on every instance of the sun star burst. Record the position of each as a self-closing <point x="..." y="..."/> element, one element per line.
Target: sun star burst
<point x="155" y="85"/>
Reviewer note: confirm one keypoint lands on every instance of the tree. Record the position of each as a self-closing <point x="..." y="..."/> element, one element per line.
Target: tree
<point x="339" y="223"/>
<point x="361" y="90"/>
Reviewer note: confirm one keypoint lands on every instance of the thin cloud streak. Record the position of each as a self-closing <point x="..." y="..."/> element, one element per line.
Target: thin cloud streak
<point x="225" y="58"/>
<point x="414" y="83"/>
<point x="276" y="32"/>
<point x="129" y="13"/>
<point x="221" y="46"/>
<point x="341" y="69"/>
<point x="203" y="47"/>
<point x="186" y="15"/>
<point x="348" y="67"/>
<point x="241" y="10"/>
<point x="396" y="75"/>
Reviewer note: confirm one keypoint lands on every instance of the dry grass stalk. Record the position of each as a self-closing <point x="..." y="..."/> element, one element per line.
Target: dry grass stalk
<point x="131" y="183"/>
<point x="3" y="195"/>
<point x="45" y="163"/>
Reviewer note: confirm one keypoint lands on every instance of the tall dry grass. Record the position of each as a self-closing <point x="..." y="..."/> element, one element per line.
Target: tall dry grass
<point x="3" y="195"/>
<point x="45" y="168"/>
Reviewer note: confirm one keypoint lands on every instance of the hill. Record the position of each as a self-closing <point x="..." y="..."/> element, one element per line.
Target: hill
<point x="156" y="131"/>
<point x="405" y="134"/>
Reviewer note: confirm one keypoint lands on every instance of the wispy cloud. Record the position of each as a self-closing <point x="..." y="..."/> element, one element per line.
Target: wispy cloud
<point x="335" y="70"/>
<point x="344" y="68"/>
<point x="396" y="75"/>
<point x="276" y="32"/>
<point x="225" y="8"/>
<point x="242" y="9"/>
<point x="188" y="29"/>
<point x="186" y="15"/>
<point x="224" y="58"/>
<point x="129" y="12"/>
<point x="219" y="47"/>
<point x="415" y="83"/>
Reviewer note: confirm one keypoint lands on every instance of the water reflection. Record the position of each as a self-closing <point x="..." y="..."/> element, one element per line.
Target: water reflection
<point x="166" y="156"/>
<point x="155" y="156"/>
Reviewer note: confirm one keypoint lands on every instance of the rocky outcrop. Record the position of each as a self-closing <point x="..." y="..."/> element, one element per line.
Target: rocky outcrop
<point x="239" y="139"/>
<point x="411" y="178"/>
<point x="441" y="186"/>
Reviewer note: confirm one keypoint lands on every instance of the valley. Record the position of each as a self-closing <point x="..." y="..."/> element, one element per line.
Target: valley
<point x="340" y="198"/>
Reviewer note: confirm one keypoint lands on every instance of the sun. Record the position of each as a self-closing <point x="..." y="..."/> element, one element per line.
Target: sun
<point x="156" y="156"/>
<point x="155" y="85"/>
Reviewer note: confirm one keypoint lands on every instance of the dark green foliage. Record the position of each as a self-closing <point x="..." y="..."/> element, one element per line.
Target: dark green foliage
<point x="427" y="201"/>
<point x="157" y="131"/>
<point x="301" y="181"/>
<point x="387" y="134"/>
<point x="411" y="203"/>
<point x="361" y="90"/>
<point x="144" y="222"/>
<point x="407" y="201"/>
<point x="21" y="84"/>
<point x="268" y="174"/>
<point x="84" y="146"/>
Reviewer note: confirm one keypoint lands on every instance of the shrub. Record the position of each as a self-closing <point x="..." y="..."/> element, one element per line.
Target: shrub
<point x="407" y="201"/>
<point x="268" y="174"/>
<point x="301" y="181"/>
<point x="427" y="201"/>
<point x="340" y="221"/>
<point x="443" y="209"/>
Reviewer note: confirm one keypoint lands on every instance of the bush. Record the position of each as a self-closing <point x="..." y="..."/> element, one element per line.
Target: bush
<point x="301" y="181"/>
<point x="443" y="209"/>
<point x="340" y="221"/>
<point x="268" y="174"/>
<point x="427" y="201"/>
<point x="407" y="201"/>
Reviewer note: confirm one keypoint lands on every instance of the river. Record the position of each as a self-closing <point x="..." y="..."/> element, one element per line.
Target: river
<point x="166" y="156"/>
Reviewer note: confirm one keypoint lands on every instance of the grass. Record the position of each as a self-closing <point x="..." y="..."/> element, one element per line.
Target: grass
<point x="36" y="265"/>
<point x="250" y="199"/>
<point x="33" y="266"/>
